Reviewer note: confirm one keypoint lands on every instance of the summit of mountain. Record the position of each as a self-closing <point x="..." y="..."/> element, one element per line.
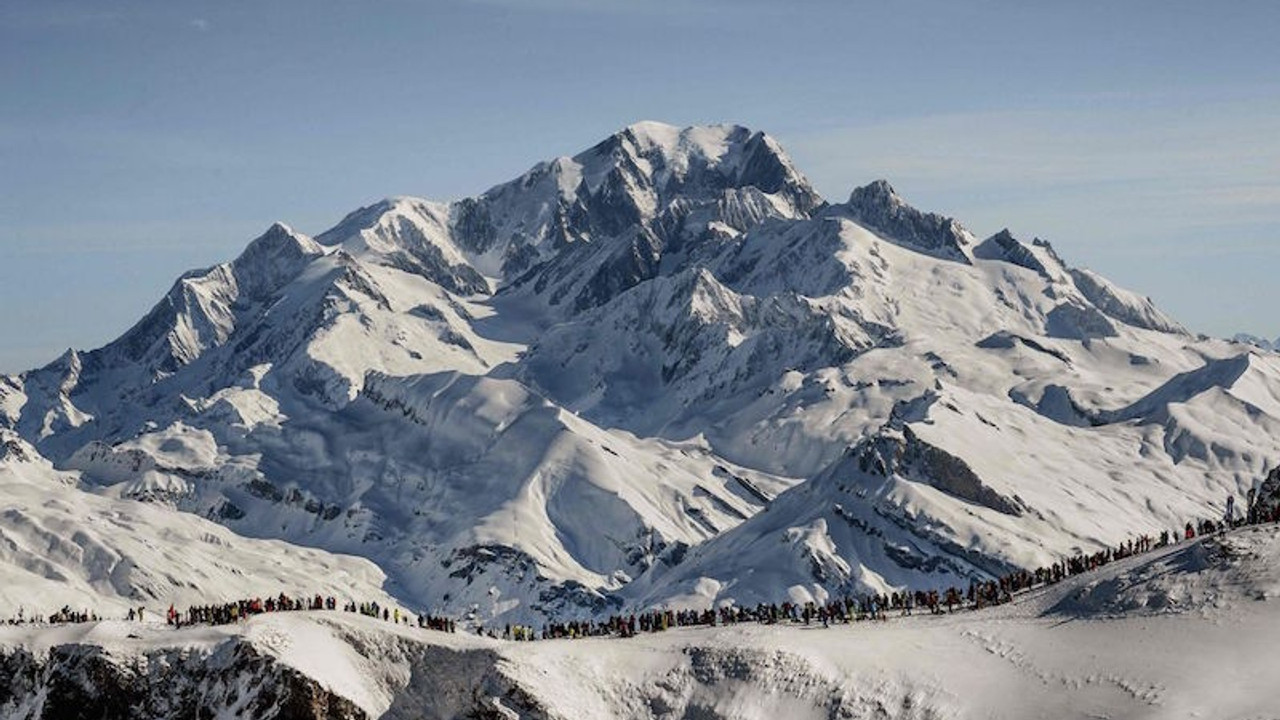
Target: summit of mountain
<point x="661" y="361"/>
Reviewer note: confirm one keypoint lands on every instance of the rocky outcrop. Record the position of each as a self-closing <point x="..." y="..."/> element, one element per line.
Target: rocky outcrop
<point x="878" y="207"/>
<point x="915" y="459"/>
<point x="86" y="682"/>
<point x="1269" y="492"/>
<point x="1005" y="247"/>
<point x="445" y="684"/>
<point x="398" y="677"/>
<point x="1073" y="321"/>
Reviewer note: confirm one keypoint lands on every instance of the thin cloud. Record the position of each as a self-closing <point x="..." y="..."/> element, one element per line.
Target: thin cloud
<point x="200" y="24"/>
<point x="1053" y="147"/>
<point x="1083" y="170"/>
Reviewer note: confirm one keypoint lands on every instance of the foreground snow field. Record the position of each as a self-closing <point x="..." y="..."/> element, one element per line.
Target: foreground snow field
<point x="1190" y="631"/>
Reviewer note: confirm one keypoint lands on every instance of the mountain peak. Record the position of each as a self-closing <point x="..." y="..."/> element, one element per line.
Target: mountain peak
<point x="676" y="339"/>
<point x="647" y="189"/>
<point x="875" y="191"/>
<point x="711" y="139"/>
<point x="1004" y="237"/>
<point x="878" y="196"/>
<point x="716" y="144"/>
<point x="273" y="258"/>
<point x="652" y="131"/>
<point x="1005" y="247"/>
<point x="279" y="235"/>
<point x="877" y="206"/>
<point x="697" y="157"/>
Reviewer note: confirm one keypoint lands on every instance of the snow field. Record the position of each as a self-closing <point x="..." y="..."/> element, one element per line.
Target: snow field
<point x="1093" y="646"/>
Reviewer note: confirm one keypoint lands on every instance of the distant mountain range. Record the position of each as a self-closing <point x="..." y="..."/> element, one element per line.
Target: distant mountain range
<point x="661" y="371"/>
<point x="1257" y="341"/>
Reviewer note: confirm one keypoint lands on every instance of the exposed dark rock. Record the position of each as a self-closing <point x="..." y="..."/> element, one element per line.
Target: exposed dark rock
<point x="264" y="489"/>
<point x="878" y="207"/>
<point x="475" y="560"/>
<point x="229" y="511"/>
<point x="1269" y="491"/>
<point x="629" y="265"/>
<point x="917" y="460"/>
<point x="424" y="257"/>
<point x="445" y="684"/>
<point x="1004" y="246"/>
<point x="1005" y="340"/>
<point x="473" y="225"/>
<point x="12" y="450"/>
<point x="570" y="596"/>
<point x="1057" y="404"/>
<point x="84" y="682"/>
<point x="1078" y="322"/>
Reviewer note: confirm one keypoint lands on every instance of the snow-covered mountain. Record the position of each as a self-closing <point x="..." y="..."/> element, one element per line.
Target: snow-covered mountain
<point x="1256" y="341"/>
<point x="60" y="545"/>
<point x="662" y="371"/>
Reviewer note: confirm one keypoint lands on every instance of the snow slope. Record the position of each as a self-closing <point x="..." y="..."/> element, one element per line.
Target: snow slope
<point x="661" y="370"/>
<point x="1188" y="631"/>
<point x="62" y="546"/>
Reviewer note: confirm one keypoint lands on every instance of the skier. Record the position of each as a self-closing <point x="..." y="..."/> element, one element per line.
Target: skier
<point x="1229" y="517"/>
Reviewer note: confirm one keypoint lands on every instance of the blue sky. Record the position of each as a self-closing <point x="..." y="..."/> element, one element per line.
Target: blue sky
<point x="141" y="139"/>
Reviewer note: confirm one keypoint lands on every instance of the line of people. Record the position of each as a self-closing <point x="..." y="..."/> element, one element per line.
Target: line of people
<point x="66" y="615"/>
<point x="233" y="612"/>
<point x="851" y="609"/>
<point x="843" y="610"/>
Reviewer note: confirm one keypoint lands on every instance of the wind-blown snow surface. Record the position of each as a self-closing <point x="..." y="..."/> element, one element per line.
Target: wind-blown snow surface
<point x="1182" y="634"/>
<point x="1189" y="631"/>
<point x="62" y="546"/>
<point x="662" y="371"/>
